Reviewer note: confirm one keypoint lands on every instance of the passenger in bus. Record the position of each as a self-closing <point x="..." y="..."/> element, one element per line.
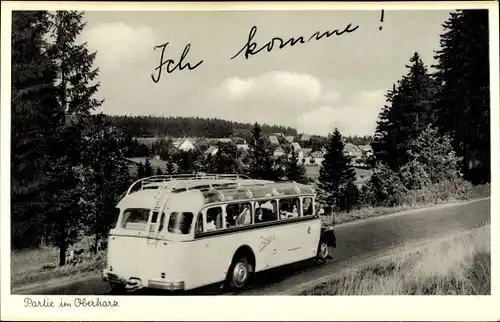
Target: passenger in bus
<point x="284" y="210"/>
<point x="268" y="211"/>
<point x="295" y="212"/>
<point x="259" y="213"/>
<point x="244" y="218"/>
<point x="211" y="225"/>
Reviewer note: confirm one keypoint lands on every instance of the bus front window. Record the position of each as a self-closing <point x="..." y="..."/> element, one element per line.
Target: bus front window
<point x="180" y="222"/>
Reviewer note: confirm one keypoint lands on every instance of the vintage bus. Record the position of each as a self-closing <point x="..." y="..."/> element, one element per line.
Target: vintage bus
<point x="187" y="231"/>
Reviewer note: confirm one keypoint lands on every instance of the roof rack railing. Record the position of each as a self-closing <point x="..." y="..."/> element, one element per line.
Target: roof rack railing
<point x="187" y="177"/>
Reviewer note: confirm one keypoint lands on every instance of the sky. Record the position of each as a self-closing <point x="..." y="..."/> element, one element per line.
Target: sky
<point x="314" y="87"/>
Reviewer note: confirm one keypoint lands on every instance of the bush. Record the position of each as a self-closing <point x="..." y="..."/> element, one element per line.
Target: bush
<point x="385" y="188"/>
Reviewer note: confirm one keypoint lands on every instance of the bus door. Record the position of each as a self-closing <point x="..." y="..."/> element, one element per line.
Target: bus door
<point x="155" y="226"/>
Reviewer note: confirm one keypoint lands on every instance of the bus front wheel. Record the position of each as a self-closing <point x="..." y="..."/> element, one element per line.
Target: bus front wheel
<point x="239" y="273"/>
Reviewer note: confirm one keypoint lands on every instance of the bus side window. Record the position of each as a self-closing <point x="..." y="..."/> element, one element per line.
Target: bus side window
<point x="199" y="224"/>
<point x="289" y="208"/>
<point x="307" y="207"/>
<point x="238" y="214"/>
<point x="214" y="218"/>
<point x="266" y="211"/>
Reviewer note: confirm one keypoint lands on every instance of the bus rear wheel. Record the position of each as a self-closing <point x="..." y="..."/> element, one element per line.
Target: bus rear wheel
<point x="323" y="252"/>
<point x="239" y="273"/>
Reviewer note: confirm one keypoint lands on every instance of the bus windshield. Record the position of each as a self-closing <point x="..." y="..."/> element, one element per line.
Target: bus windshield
<point x="136" y="219"/>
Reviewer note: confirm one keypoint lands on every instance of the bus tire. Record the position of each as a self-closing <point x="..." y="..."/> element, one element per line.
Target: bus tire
<point x="323" y="252"/>
<point x="239" y="273"/>
<point x="116" y="289"/>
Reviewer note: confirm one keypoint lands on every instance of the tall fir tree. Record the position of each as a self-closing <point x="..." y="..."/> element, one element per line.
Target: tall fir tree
<point x="148" y="170"/>
<point x="226" y="159"/>
<point x="463" y="102"/>
<point x="75" y="90"/>
<point x="169" y="166"/>
<point x="295" y="171"/>
<point x="104" y="170"/>
<point x="337" y="176"/>
<point x="34" y="116"/>
<point x="261" y="163"/>
<point x="140" y="171"/>
<point x="409" y="113"/>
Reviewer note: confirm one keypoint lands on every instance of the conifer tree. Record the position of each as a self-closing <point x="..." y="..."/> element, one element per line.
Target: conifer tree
<point x="261" y="164"/>
<point x="105" y="176"/>
<point x="75" y="90"/>
<point x="337" y="176"/>
<point x="140" y="171"/>
<point x="295" y="171"/>
<point x="463" y="102"/>
<point x="169" y="166"/>
<point x="34" y="116"/>
<point x="148" y="170"/>
<point x="158" y="171"/>
<point x="409" y="113"/>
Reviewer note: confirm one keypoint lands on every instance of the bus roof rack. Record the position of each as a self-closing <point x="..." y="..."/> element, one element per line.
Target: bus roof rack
<point x="188" y="177"/>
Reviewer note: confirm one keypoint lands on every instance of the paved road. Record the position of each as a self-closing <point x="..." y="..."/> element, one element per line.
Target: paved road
<point x="357" y="241"/>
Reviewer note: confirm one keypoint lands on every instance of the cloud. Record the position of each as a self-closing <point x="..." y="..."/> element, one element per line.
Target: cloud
<point x="355" y="117"/>
<point x="119" y="45"/>
<point x="296" y="99"/>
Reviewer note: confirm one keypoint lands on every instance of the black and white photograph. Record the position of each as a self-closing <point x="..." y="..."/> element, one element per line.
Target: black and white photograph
<point x="178" y="150"/>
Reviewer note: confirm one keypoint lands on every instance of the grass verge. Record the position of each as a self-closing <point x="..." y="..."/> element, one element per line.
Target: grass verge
<point x="457" y="265"/>
<point x="39" y="265"/>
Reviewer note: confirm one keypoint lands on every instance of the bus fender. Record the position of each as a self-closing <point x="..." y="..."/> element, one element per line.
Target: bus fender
<point x="246" y="251"/>
<point x="328" y="235"/>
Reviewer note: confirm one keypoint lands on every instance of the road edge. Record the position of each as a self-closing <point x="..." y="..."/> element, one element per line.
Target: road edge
<point x="443" y="205"/>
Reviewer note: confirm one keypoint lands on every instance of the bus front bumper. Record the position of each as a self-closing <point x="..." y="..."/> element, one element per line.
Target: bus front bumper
<point x="133" y="284"/>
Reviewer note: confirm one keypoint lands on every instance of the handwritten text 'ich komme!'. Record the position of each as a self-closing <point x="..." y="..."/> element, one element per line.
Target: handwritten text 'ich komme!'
<point x="249" y="49"/>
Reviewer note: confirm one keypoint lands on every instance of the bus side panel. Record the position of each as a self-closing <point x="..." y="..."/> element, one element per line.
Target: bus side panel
<point x="297" y="242"/>
<point x="206" y="260"/>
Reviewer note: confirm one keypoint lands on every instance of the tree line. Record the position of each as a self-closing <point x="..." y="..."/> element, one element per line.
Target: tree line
<point x="157" y="126"/>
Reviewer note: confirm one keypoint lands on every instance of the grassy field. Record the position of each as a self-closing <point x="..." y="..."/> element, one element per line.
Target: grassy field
<point x="457" y="265"/>
<point x="361" y="174"/>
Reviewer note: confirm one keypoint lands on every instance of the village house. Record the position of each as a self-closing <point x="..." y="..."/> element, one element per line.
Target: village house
<point x="290" y="138"/>
<point x="317" y="158"/>
<point x="243" y="147"/>
<point x="183" y="144"/>
<point x="305" y="138"/>
<point x="274" y="139"/>
<point x="278" y="152"/>
<point x="296" y="146"/>
<point x="304" y="156"/>
<point x="354" y="152"/>
<point x="366" y="150"/>
<point x="212" y="150"/>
